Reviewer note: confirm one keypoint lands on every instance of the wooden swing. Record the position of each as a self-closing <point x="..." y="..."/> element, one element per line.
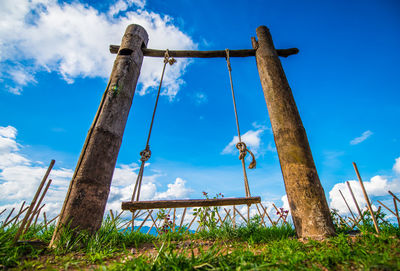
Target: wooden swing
<point x="145" y="155"/>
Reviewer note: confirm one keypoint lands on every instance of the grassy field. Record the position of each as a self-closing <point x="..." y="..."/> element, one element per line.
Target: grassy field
<point x="248" y="247"/>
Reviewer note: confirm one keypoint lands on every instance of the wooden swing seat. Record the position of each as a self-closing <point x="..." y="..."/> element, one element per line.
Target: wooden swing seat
<point x="159" y="204"/>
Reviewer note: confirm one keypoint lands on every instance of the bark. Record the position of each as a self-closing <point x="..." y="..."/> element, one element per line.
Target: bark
<point x="206" y="54"/>
<point x="87" y="196"/>
<point x="309" y="208"/>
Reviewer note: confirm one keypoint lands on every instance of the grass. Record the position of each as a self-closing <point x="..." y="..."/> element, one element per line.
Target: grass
<point x="248" y="247"/>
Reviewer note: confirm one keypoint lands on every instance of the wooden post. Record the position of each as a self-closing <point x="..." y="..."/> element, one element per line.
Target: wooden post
<point x="87" y="195"/>
<point x="310" y="211"/>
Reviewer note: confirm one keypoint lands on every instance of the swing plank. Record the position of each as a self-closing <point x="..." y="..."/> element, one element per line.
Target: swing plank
<point x="158" y="204"/>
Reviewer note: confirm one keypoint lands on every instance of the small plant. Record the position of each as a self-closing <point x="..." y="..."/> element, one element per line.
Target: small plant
<point x="167" y="224"/>
<point x="208" y="215"/>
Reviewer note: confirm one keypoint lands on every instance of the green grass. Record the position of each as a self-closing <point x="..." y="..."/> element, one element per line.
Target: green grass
<point x="247" y="247"/>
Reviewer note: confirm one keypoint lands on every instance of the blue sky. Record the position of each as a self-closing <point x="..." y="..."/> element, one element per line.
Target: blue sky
<point x="54" y="66"/>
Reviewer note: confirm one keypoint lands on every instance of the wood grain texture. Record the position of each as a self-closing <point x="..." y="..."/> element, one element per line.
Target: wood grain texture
<point x="308" y="205"/>
<point x="205" y="54"/>
<point x="158" y="204"/>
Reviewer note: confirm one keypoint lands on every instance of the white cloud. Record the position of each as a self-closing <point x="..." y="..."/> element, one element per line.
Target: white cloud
<point x="252" y="138"/>
<point x="20" y="178"/>
<point x="72" y="39"/>
<point x="361" y="138"/>
<point x="378" y="186"/>
<point x="177" y="190"/>
<point x="396" y="166"/>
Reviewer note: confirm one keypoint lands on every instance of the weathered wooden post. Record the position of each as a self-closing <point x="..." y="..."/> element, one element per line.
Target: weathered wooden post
<point x="310" y="211"/>
<point x="88" y="192"/>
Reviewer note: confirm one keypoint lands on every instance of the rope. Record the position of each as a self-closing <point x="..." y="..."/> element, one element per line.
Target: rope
<point x="241" y="146"/>
<point x="146" y="153"/>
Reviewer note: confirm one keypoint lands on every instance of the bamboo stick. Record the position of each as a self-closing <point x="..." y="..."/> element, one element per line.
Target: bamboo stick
<point x="280" y="214"/>
<point x="37" y="216"/>
<point x="227" y="215"/>
<point x="191" y="222"/>
<point x="261" y="216"/>
<point x="348" y="207"/>
<point x="355" y="201"/>
<point x="219" y="217"/>
<point x="366" y="198"/>
<point x="5" y="221"/>
<point x="54" y="218"/>
<point x="234" y="217"/>
<point x="183" y="217"/>
<point x="240" y="214"/>
<point x="3" y="211"/>
<point x="265" y="212"/>
<point x="45" y="220"/>
<point x="387" y="208"/>
<point x="32" y="205"/>
<point x="144" y="220"/>
<point x="397" y="212"/>
<point x="394" y="196"/>
<point x="38" y="204"/>
<point x="173" y="223"/>
<point x="154" y="224"/>
<point x="15" y="218"/>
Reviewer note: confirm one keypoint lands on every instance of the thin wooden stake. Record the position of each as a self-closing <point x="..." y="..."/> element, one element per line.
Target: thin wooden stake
<point x="15" y="218"/>
<point x="265" y="212"/>
<point x="394" y="196"/>
<point x="355" y="201"/>
<point x="144" y="220"/>
<point x="183" y="217"/>
<point x="397" y="212"/>
<point x="280" y="214"/>
<point x="3" y="211"/>
<point x="234" y="217"/>
<point x="227" y="215"/>
<point x="54" y="218"/>
<point x="191" y="222"/>
<point x="219" y="217"/>
<point x="240" y="214"/>
<point x="32" y="205"/>
<point x="261" y="216"/>
<point x="45" y="220"/>
<point x="348" y="207"/>
<point x="5" y="221"/>
<point x="38" y="205"/>
<point x="366" y="198"/>
<point x="173" y="223"/>
<point x="37" y="215"/>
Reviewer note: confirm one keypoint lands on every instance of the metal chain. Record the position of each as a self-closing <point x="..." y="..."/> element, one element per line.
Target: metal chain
<point x="146" y="153"/>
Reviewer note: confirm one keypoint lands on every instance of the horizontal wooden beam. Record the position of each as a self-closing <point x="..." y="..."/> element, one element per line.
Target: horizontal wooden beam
<point x="158" y="204"/>
<point x="206" y="54"/>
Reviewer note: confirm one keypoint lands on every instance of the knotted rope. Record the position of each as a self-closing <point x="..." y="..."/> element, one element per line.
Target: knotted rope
<point x="146" y="153"/>
<point x="241" y="146"/>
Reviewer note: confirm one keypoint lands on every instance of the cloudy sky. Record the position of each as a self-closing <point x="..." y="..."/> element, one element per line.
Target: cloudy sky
<point x="54" y="66"/>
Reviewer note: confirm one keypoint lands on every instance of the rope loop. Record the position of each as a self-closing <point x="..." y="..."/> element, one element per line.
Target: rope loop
<point x="243" y="150"/>
<point x="145" y="154"/>
<point x="228" y="61"/>
<point x="168" y="59"/>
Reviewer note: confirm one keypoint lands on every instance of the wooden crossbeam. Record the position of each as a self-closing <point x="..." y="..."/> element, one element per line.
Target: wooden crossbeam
<point x="158" y="204"/>
<point x="206" y="54"/>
